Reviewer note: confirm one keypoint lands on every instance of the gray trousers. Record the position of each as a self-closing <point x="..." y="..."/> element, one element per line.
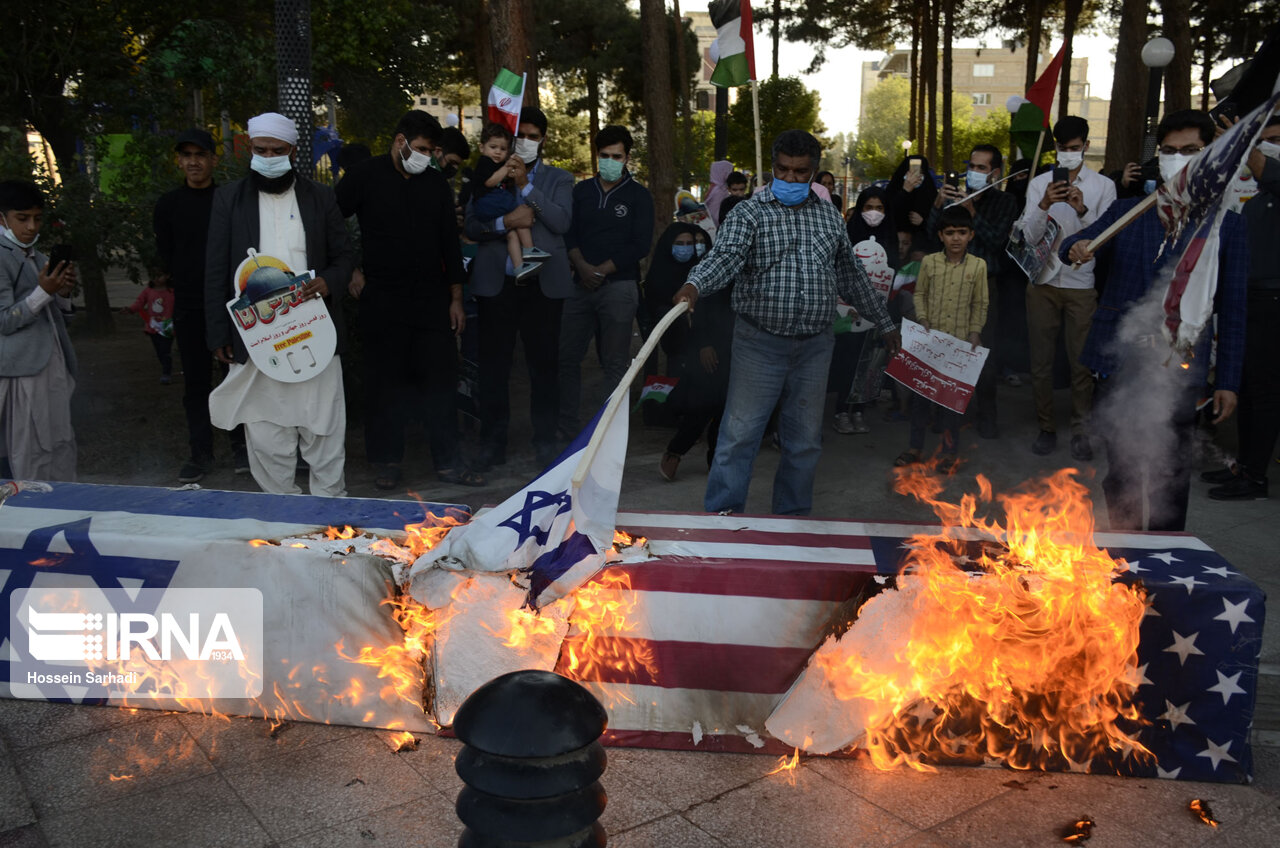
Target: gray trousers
<point x="606" y="315"/>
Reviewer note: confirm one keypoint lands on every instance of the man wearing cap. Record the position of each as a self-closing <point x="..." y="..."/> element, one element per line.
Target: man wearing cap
<point x="529" y="308"/>
<point x="279" y="213"/>
<point x="181" y="226"/>
<point x="411" y="305"/>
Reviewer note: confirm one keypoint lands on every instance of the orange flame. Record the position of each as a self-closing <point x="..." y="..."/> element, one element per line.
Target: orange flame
<point x="526" y="626"/>
<point x="597" y="645"/>
<point x="333" y="534"/>
<point x="622" y="539"/>
<point x="1201" y="809"/>
<point x="1026" y="656"/>
<point x="788" y="765"/>
<point x="403" y="741"/>
<point x="118" y="777"/>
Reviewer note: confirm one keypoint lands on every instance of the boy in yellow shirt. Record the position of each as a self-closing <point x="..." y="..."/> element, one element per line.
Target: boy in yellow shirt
<point x="951" y="297"/>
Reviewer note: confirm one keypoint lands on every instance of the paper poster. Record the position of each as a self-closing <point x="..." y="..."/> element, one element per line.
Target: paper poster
<point x="289" y="339"/>
<point x="876" y="263"/>
<point x="1039" y="259"/>
<point x="937" y="366"/>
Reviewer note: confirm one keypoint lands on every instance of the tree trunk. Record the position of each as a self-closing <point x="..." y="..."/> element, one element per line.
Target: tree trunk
<point x="1035" y="33"/>
<point x="659" y="111"/>
<point x="1070" y="17"/>
<point x="77" y="192"/>
<point x="1128" y="88"/>
<point x="913" y="117"/>
<point x="593" y="108"/>
<point x="531" y="63"/>
<point x="948" y="34"/>
<point x="777" y="33"/>
<point x="931" y="82"/>
<point x="1208" y="47"/>
<point x="686" y="112"/>
<point x="483" y="49"/>
<point x="1177" y="77"/>
<point x="510" y="28"/>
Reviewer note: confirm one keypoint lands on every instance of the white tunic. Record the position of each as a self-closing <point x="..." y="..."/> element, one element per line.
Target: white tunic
<point x="247" y="395"/>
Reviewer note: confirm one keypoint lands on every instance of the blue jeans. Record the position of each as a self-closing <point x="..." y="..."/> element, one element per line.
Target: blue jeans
<point x="768" y="369"/>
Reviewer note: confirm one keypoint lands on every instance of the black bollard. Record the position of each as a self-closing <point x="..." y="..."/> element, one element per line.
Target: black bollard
<point x="532" y="764"/>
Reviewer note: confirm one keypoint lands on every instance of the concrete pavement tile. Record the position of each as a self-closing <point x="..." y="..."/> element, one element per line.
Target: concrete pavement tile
<point x="201" y="812"/>
<point x="79" y="772"/>
<point x="30" y="724"/>
<point x="922" y="840"/>
<point x="1160" y="806"/>
<point x="23" y="837"/>
<point x="814" y="812"/>
<point x="681" y="779"/>
<point x="1266" y="770"/>
<point x="15" y="809"/>
<point x="433" y="759"/>
<point x="632" y="800"/>
<point x="1260" y="828"/>
<point x="324" y="785"/>
<point x="231" y="742"/>
<point x="918" y="798"/>
<point x="426" y="822"/>
<point x="664" y="833"/>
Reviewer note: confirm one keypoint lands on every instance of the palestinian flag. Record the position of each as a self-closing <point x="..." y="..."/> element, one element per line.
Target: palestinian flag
<point x="737" y="62"/>
<point x="657" y="389"/>
<point x="505" y="96"/>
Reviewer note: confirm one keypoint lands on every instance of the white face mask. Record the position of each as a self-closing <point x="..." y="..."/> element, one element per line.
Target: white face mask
<point x="873" y="217"/>
<point x="1270" y="149"/>
<point x="527" y="150"/>
<point x="1171" y="164"/>
<point x="415" y="162"/>
<point x="8" y="235"/>
<point x="1070" y="159"/>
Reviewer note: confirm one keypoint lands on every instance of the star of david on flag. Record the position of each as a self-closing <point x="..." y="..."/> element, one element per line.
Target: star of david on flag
<point x="557" y="533"/>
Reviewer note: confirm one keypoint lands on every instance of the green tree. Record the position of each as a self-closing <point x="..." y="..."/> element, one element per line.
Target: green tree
<point x="882" y="127"/>
<point x="785" y="104"/>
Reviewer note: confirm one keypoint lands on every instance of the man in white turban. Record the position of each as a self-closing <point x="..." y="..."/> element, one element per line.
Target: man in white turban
<point x="278" y="213"/>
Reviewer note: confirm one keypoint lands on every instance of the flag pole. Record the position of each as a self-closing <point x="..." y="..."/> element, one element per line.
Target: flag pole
<point x="755" y="105"/>
<point x="1123" y="221"/>
<point x="623" y="390"/>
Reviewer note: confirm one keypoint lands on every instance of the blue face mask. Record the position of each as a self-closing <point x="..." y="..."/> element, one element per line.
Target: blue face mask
<point x="702" y="248"/>
<point x="975" y="180"/>
<point x="682" y="252"/>
<point x="271" y="166"/>
<point x="789" y="194"/>
<point x="610" y="170"/>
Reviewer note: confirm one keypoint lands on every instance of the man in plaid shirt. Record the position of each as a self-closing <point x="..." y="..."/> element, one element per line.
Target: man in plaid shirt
<point x="788" y="255"/>
<point x="1146" y="468"/>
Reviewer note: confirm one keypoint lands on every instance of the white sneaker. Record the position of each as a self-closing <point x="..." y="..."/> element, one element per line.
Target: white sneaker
<point x="526" y="269"/>
<point x="844" y="424"/>
<point x="859" y="425"/>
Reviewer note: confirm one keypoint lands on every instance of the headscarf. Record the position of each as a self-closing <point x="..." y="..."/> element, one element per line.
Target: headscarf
<point x="273" y="125"/>
<point x="918" y="201"/>
<point x="666" y="275"/>
<point x="720" y="172"/>
<point x="886" y="234"/>
<point x="820" y="190"/>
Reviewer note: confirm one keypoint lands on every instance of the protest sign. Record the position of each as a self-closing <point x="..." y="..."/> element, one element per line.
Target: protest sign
<point x="289" y="338"/>
<point x="937" y="366"/>
<point x="1037" y="259"/>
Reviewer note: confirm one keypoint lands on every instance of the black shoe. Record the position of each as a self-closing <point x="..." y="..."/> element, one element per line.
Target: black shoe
<point x="1241" y="488"/>
<point x="195" y="469"/>
<point x="240" y="460"/>
<point x="1218" y="476"/>
<point x="1044" y="443"/>
<point x="1081" y="449"/>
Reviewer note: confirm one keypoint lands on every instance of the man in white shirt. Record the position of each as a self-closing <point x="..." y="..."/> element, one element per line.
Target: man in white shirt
<point x="1063" y="296"/>
<point x="282" y="214"/>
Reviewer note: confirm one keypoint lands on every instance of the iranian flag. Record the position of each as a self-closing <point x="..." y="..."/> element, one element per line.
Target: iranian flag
<point x="657" y="388"/>
<point x="505" y="96"/>
<point x="737" y="63"/>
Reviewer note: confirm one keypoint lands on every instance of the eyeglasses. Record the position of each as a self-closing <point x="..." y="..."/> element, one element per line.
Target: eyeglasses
<point x="1189" y="150"/>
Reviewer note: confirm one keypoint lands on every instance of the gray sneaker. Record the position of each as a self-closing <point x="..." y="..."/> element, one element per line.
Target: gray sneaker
<point x="844" y="424"/>
<point x="860" y="424"/>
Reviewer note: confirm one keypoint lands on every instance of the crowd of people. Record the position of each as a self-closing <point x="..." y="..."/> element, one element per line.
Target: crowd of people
<point x="782" y="308"/>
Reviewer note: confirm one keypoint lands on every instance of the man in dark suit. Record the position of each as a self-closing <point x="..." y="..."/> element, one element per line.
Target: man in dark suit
<point x="1147" y="403"/>
<point x="282" y="214"/>
<point x="529" y="308"/>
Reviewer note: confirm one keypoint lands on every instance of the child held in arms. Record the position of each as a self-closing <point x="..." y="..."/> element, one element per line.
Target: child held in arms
<point x="951" y="297"/>
<point x="37" y="362"/>
<point x="500" y="197"/>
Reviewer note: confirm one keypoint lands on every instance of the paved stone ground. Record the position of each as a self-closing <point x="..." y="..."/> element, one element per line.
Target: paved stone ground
<point x="201" y="782"/>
